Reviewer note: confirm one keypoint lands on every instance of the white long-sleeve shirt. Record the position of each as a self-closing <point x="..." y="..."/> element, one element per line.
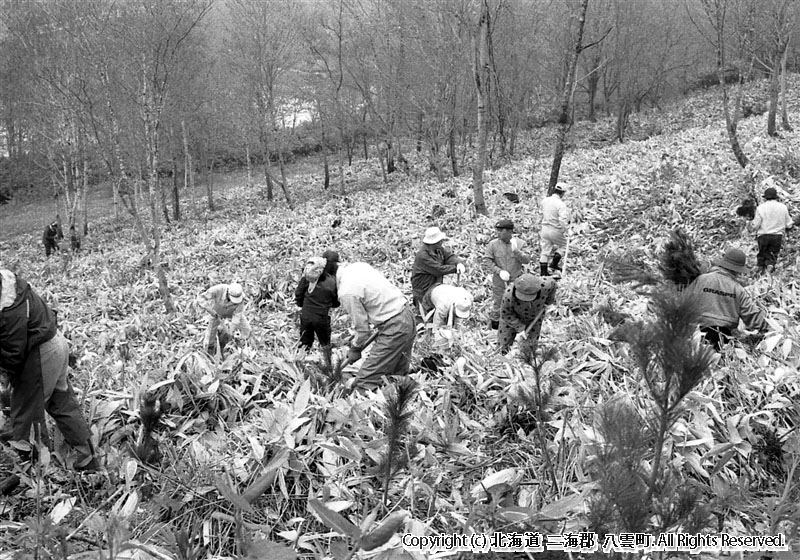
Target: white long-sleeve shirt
<point x="772" y="218"/>
<point x="368" y="297"/>
<point x="555" y="212"/>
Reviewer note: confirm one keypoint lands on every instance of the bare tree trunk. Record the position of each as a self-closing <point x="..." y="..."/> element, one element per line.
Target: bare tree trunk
<point x="84" y="208"/>
<point x="210" y="186"/>
<point x="564" y="120"/>
<point x="774" y="75"/>
<point x="188" y="165"/>
<point x="451" y="151"/>
<point x="784" y="113"/>
<point x="481" y="72"/>
<point x="249" y="164"/>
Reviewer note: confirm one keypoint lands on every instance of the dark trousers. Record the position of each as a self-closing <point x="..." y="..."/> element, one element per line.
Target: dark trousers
<point x="716" y="336"/>
<point x="768" y="248"/>
<point x="50" y="246"/>
<point x="29" y="402"/>
<point x="310" y="326"/>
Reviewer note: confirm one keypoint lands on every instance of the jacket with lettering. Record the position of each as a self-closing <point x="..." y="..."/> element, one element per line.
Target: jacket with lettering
<point x="722" y="301"/>
<point x="25" y="322"/>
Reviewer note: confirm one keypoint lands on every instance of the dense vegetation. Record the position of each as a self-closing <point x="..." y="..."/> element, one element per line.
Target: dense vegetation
<point x="261" y="455"/>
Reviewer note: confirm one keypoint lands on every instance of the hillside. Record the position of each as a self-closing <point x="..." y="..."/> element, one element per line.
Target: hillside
<point x="480" y="418"/>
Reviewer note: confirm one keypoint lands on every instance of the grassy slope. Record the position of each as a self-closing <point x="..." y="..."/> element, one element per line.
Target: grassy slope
<point x="111" y="311"/>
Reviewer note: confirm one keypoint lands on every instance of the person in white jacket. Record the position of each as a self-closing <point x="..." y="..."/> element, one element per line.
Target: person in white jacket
<point x="770" y="222"/>
<point x="452" y="303"/>
<point x="555" y="221"/>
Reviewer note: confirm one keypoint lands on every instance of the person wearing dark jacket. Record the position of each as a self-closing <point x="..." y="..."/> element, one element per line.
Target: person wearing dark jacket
<point x="52" y="234"/>
<point x="34" y="356"/>
<point x="722" y="301"/>
<point x="315" y="295"/>
<point x="432" y="262"/>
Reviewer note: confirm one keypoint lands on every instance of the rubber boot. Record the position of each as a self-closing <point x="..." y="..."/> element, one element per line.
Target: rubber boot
<point x="327" y="366"/>
<point x="543" y="269"/>
<point x="555" y="264"/>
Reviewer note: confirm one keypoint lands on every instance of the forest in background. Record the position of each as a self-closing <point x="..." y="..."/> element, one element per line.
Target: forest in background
<point x="147" y="95"/>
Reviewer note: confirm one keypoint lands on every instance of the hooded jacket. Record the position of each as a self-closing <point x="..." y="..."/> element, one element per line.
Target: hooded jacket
<point x="25" y="322"/>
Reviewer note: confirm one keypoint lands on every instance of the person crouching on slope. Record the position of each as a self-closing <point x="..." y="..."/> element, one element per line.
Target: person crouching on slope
<point x="315" y="295"/>
<point x="522" y="310"/>
<point x="722" y="301"/>
<point x="35" y="356"/>
<point x="371" y="299"/>
<point x="223" y="301"/>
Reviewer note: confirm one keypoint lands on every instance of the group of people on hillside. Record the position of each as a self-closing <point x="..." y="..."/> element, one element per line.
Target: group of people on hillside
<point x="53" y="233"/>
<point x="34" y="354"/>
<point x="376" y="305"/>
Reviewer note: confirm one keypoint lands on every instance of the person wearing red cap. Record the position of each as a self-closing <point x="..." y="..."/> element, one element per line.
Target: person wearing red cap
<point x="522" y="310"/>
<point x="432" y="263"/>
<point x="770" y="222"/>
<point x="721" y="300"/>
<point x="223" y="301"/>
<point x="505" y="258"/>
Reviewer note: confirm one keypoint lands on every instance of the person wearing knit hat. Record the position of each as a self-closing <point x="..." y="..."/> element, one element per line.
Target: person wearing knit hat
<point x="432" y="263"/>
<point x="504" y="257"/>
<point x="721" y="300"/>
<point x="770" y="223"/>
<point x="315" y="295"/>
<point x="555" y="221"/>
<point x="522" y="310"/>
<point x="223" y="301"/>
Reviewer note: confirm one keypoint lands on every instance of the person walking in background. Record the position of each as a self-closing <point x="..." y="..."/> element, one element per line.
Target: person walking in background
<point x="555" y="221"/>
<point x="432" y="262"/>
<point x="223" y="301"/>
<point x="50" y="237"/>
<point x="770" y="223"/>
<point x="505" y="258"/>
<point x="522" y="311"/>
<point x="35" y="355"/>
<point x="721" y="300"/>
<point x="370" y="299"/>
<point x="315" y="295"/>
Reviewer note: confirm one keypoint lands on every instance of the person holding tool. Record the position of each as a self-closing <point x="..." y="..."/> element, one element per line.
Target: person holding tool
<point x="522" y="310"/>
<point x="432" y="262"/>
<point x="370" y="299"/>
<point x="505" y="258"/>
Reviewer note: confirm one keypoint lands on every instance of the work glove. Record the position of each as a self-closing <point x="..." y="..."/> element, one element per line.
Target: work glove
<point x="353" y="354"/>
<point x="460" y="268"/>
<point x="523" y="335"/>
<point x="504" y="275"/>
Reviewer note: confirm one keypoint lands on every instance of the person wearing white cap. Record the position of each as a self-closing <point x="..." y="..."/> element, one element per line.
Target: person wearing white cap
<point x="432" y="262"/>
<point x="451" y="303"/>
<point x="223" y="301"/>
<point x="555" y="221"/>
